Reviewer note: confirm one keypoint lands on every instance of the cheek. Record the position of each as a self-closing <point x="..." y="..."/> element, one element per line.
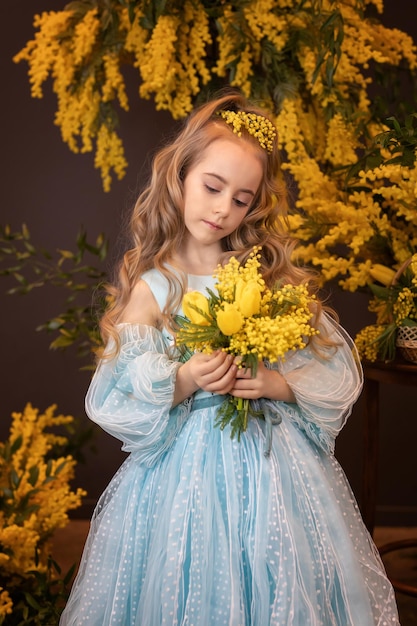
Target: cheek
<point x="190" y="196"/>
<point x="239" y="219"/>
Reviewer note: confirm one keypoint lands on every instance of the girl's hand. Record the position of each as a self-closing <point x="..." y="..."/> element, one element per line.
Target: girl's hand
<point x="266" y="384"/>
<point x="212" y="372"/>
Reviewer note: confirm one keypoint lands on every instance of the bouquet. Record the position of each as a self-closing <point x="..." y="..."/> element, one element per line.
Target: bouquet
<point x="394" y="304"/>
<point x="247" y="319"/>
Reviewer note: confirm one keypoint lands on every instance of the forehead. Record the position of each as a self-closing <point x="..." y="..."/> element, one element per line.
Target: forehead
<point x="225" y="152"/>
<point x="234" y="162"/>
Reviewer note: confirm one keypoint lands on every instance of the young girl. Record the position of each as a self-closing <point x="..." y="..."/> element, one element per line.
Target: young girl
<point x="198" y="528"/>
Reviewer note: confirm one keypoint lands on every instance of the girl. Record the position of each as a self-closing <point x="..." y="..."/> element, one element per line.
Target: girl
<point x="197" y="528"/>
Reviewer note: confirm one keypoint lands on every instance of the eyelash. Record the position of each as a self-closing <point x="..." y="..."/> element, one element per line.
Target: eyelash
<point x="239" y="203"/>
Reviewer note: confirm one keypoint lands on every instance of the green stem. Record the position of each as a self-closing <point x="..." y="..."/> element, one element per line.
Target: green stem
<point x="245" y="414"/>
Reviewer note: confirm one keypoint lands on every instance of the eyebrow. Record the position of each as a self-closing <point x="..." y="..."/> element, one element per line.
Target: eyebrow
<point x="223" y="180"/>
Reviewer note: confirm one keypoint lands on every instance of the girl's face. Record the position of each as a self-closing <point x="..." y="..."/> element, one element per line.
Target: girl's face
<point x="219" y="190"/>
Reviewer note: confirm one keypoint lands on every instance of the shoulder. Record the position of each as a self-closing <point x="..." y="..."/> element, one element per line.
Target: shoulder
<point x="142" y="307"/>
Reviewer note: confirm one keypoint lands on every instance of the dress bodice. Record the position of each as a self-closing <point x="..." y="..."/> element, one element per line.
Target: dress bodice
<point x="159" y="285"/>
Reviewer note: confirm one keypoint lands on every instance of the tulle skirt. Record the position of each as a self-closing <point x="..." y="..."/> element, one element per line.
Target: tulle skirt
<point x="216" y="533"/>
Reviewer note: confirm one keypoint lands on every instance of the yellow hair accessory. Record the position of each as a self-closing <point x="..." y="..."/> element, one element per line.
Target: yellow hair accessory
<point x="256" y="125"/>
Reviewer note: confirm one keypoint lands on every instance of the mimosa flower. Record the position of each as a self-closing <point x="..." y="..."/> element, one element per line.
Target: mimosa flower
<point x="35" y="498"/>
<point x="6" y="604"/>
<point x="394" y="304"/>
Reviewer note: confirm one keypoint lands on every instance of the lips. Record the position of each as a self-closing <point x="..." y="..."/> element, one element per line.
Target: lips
<point x="212" y="225"/>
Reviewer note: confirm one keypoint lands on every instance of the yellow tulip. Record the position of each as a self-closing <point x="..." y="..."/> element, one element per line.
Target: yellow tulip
<point x="229" y="319"/>
<point x="193" y="300"/>
<point x="248" y="297"/>
<point x="382" y="274"/>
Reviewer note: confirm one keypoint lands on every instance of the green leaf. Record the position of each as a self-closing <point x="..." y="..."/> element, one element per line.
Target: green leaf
<point x="383" y="293"/>
<point x="33" y="475"/>
<point x="16" y="445"/>
<point x="15" y="479"/>
<point x="20" y="278"/>
<point x="49" y="466"/>
<point x="32" y="602"/>
<point x="408" y="322"/>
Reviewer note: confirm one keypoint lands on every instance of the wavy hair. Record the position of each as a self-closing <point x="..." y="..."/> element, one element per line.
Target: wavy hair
<point x="157" y="224"/>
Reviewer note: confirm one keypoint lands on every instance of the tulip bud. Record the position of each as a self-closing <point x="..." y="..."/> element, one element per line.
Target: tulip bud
<point x="248" y="297"/>
<point x="229" y="319"/>
<point x="195" y="300"/>
<point x="382" y="274"/>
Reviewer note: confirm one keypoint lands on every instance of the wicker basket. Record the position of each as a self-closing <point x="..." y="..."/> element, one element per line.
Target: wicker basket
<point x="407" y="342"/>
<point x="406" y="339"/>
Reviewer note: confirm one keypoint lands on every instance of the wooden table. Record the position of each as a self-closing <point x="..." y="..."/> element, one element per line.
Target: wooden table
<point x="399" y="372"/>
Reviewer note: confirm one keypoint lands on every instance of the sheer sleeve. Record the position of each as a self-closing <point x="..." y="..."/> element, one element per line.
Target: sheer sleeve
<point x="131" y="396"/>
<point x="325" y="388"/>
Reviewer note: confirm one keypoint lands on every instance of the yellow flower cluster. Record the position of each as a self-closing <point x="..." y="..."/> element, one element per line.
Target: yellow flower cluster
<point x="114" y="85"/>
<point x="194" y="38"/>
<point x="160" y="71"/>
<point x="252" y="319"/>
<point x="264" y="22"/>
<point x="171" y="59"/>
<point x="340" y="142"/>
<point x="233" y="272"/>
<point x="271" y="337"/>
<point x="367" y="341"/>
<point x="65" y="48"/>
<point x="229" y="46"/>
<point x="394" y="304"/>
<point x="35" y="491"/>
<point x="6" y="604"/>
<point x="47" y="46"/>
<point x="256" y="125"/>
<point x="247" y="320"/>
<point x="328" y="216"/>
<point x="404" y="307"/>
<point x="323" y="107"/>
<point x="85" y="35"/>
<point x="382" y="210"/>
<point x="109" y="155"/>
<point x="182" y="47"/>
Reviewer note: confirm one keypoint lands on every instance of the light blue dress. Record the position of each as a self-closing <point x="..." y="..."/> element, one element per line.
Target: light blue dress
<point x="197" y="529"/>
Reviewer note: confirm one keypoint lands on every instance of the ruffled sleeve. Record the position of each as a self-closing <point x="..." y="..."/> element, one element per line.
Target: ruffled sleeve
<point x="325" y="388"/>
<point x="131" y="396"/>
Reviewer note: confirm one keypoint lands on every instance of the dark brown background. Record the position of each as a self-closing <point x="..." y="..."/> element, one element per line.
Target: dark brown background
<point x="55" y="191"/>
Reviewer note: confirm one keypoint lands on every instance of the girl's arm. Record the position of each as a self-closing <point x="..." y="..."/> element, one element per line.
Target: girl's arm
<point x="215" y="372"/>
<point x="142" y="307"/>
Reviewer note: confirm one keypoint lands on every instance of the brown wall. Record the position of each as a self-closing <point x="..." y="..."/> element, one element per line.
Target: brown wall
<point x="55" y="192"/>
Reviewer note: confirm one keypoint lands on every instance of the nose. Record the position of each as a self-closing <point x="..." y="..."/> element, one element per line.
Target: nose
<point x="222" y="206"/>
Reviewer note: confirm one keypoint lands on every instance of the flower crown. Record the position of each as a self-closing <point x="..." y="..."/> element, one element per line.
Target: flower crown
<point x="256" y="125"/>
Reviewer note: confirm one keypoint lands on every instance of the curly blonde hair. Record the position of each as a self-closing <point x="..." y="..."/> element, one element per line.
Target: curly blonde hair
<point x="157" y="224"/>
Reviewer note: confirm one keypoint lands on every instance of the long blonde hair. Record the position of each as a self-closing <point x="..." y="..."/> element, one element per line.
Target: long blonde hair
<point x="157" y="225"/>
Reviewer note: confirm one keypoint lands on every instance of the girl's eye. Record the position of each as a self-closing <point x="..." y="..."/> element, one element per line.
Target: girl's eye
<point x="240" y="203"/>
<point x="211" y="189"/>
